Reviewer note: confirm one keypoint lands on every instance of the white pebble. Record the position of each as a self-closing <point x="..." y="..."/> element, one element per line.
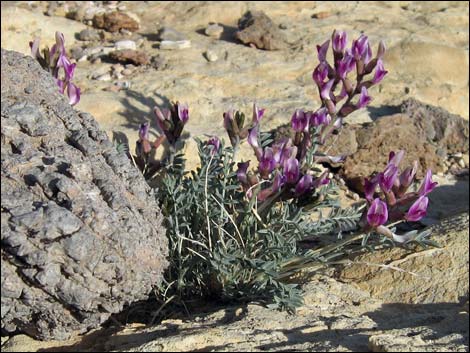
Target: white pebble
<point x="211" y="56"/>
<point x="125" y="44"/>
<point x="172" y="45"/>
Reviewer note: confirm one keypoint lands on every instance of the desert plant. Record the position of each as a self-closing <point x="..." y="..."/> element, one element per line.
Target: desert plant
<point x="236" y="233"/>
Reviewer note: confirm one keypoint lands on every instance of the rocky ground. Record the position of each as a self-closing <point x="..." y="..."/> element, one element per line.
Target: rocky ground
<point x="187" y="51"/>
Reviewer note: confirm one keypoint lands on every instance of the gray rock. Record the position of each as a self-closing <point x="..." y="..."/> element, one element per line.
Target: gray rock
<point x="81" y="232"/>
<point x="175" y="45"/>
<point x="214" y="30"/>
<point x="170" y="34"/>
<point x="89" y="34"/>
<point x="125" y="44"/>
<point x="256" y="28"/>
<point x="211" y="56"/>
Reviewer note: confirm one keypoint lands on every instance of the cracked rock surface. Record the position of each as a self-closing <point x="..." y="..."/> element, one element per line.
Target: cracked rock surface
<point x="81" y="232"/>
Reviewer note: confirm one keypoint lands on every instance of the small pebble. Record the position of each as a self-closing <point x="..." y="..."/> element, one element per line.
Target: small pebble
<point x="461" y="163"/>
<point x="170" y="34"/>
<point x="321" y="15"/>
<point x="127" y="72"/>
<point x="105" y="77"/>
<point x="214" y="30"/>
<point x="458" y="155"/>
<point x="282" y="26"/>
<point x="211" y="56"/>
<point x="355" y="197"/>
<point x="28" y="90"/>
<point x="125" y="44"/>
<point x="88" y="35"/>
<point x="175" y="45"/>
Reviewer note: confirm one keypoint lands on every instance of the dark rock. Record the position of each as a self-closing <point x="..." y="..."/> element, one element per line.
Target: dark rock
<point x="81" y="232"/>
<point x="88" y="34"/>
<point x="129" y="56"/>
<point x="427" y="134"/>
<point x="449" y="131"/>
<point x="115" y="21"/>
<point x="168" y="33"/>
<point x="256" y="28"/>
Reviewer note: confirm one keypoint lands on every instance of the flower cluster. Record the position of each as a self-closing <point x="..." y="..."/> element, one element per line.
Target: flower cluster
<point x="396" y="203"/>
<point x="333" y="82"/>
<point x="55" y="59"/>
<point x="171" y="123"/>
<point x="281" y="171"/>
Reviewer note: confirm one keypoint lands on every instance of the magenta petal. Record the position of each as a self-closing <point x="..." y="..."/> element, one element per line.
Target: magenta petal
<point x="418" y="209"/>
<point x="241" y="172"/>
<point x="73" y="92"/>
<point x="322" y="50"/>
<point x="304" y="185"/>
<point x="380" y="72"/>
<point x="388" y="177"/>
<point x="364" y="98"/>
<point x="215" y="143"/>
<point x="339" y="42"/>
<point x="253" y="137"/>
<point x="377" y="213"/>
<point x="428" y="185"/>
<point x="325" y="91"/>
<point x="257" y="114"/>
<point x="183" y="112"/>
<point x="291" y="170"/>
<point x="144" y="131"/>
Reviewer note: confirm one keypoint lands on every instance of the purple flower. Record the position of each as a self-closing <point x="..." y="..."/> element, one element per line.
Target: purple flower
<point x="322" y="50"/>
<point x="321" y="180"/>
<point x="380" y="72"/>
<point x="326" y="90"/>
<point x="300" y="121"/>
<point x="266" y="162"/>
<point x="364" y="98"/>
<point x="183" y="112"/>
<point x="291" y="170"/>
<point x="381" y="50"/>
<point x="304" y="185"/>
<point x="73" y="92"/>
<point x="359" y="47"/>
<point x="283" y="151"/>
<point x="320" y="73"/>
<point x="396" y="158"/>
<point x="253" y="137"/>
<point x="144" y="131"/>
<point x="320" y="117"/>
<point x="388" y="177"/>
<point x="257" y="114"/>
<point x="428" y="185"/>
<point x="345" y="65"/>
<point x="340" y="39"/>
<point x="377" y="213"/>
<point x="417" y="210"/>
<point x="215" y="143"/>
<point x="35" y="48"/>
<point x="368" y="55"/>
<point x="369" y="187"/>
<point x="228" y="118"/>
<point x="278" y="182"/>
<point x="407" y="176"/>
<point x="163" y="119"/>
<point x="241" y="172"/>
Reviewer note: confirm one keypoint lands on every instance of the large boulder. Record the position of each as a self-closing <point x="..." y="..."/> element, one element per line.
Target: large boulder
<point x="81" y="232"/>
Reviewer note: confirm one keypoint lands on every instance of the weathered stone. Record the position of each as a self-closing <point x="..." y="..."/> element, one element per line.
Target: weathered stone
<point x="425" y="132"/>
<point x="125" y="44"/>
<point x="214" y="30"/>
<point x="129" y="56"/>
<point x="175" y="45"/>
<point x="256" y="28"/>
<point x="81" y="232"/>
<point x="115" y="21"/>
<point x="168" y="33"/>
<point x="89" y="34"/>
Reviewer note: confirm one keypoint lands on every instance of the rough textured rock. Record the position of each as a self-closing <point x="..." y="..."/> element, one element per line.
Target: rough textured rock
<point x="129" y="56"/>
<point x="115" y="21"/>
<point x="256" y="28"/>
<point x="427" y="134"/>
<point x="81" y="232"/>
<point x="437" y="275"/>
